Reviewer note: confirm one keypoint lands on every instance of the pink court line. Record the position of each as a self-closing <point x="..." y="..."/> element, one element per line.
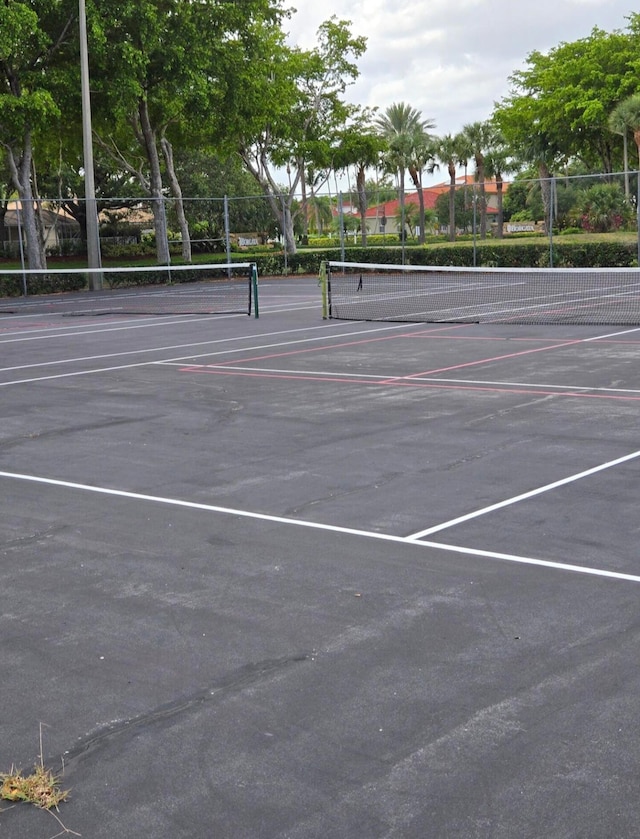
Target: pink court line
<point x="408" y="382"/>
<point x="489" y="360"/>
<point x="316" y="349"/>
<point x="413" y="540"/>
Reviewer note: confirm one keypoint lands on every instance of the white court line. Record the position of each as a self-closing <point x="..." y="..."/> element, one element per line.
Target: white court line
<point x="540" y="385"/>
<point x="181" y="347"/>
<point x="71" y="330"/>
<point x="613" y="334"/>
<point x="531" y="494"/>
<point x="145" y="322"/>
<point x="186" y="358"/>
<point x="228" y="368"/>
<point x="211" y="508"/>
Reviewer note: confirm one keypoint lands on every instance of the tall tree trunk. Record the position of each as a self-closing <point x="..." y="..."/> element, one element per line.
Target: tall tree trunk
<point x="500" y="203"/>
<point x="625" y="152"/>
<point x="452" y="202"/>
<point x="20" y="170"/>
<point x="280" y="206"/>
<point x="304" y="207"/>
<point x="636" y="137"/>
<point x="545" y="189"/>
<point x="401" y="220"/>
<point x="155" y="185"/>
<point x="483" y="197"/>
<point x="3" y="228"/>
<point x="316" y="212"/>
<point x="176" y="191"/>
<point x="362" y="203"/>
<point x="417" y="182"/>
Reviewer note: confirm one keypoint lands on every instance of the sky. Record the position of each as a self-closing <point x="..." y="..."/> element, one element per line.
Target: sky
<point x="451" y="59"/>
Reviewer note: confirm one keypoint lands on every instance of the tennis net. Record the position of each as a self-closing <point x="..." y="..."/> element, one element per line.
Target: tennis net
<point x="230" y="288"/>
<point x="419" y="294"/>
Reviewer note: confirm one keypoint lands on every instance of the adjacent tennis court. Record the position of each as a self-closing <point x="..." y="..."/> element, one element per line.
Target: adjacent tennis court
<point x="423" y="294"/>
<point x="294" y="577"/>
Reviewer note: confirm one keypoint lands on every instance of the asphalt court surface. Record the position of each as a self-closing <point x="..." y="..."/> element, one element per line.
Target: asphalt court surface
<point x="289" y="577"/>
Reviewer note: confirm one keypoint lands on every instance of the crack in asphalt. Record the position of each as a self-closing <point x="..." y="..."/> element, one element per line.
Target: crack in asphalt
<point x="235" y="682"/>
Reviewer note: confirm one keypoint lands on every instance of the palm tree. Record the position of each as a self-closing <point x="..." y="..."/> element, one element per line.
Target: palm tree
<point x="498" y="162"/>
<point x="448" y="152"/>
<point x="625" y="117"/>
<point x="421" y="158"/>
<point x="402" y="127"/>
<point x="541" y="152"/>
<point x="479" y="136"/>
<point x="360" y="147"/>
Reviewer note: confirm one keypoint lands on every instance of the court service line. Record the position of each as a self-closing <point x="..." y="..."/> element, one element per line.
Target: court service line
<point x="525" y="495"/>
<point x="379" y="381"/>
<point x="211" y="508"/>
<point x="577" y="388"/>
<point x="180" y="347"/>
<point x="510" y="355"/>
<point x="612" y="334"/>
<point x="489" y="360"/>
<point x="71" y="331"/>
<point x="145" y="322"/>
<point x="182" y="359"/>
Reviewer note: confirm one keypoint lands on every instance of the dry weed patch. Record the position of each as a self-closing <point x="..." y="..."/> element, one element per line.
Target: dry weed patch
<point x="41" y="788"/>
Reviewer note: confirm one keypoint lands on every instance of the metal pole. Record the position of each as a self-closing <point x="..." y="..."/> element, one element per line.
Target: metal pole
<point x="227" y="236"/>
<point x="93" y="235"/>
<point x="24" y="275"/>
<point x="284" y="234"/>
<point x="475" y="210"/>
<point x="638" y="211"/>
<point x="552" y="189"/>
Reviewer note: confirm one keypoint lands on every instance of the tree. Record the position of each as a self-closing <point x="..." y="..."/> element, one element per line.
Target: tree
<point x="290" y="114"/>
<point x="203" y="174"/>
<point x="463" y="217"/>
<point x="167" y="66"/>
<point x="603" y="207"/>
<point x="480" y="137"/>
<point x="448" y="152"/>
<point x="530" y="144"/>
<point x="618" y="124"/>
<point x="361" y="147"/>
<point x="625" y="117"/>
<point x="421" y="158"/>
<point x="498" y="163"/>
<point x="31" y="39"/>
<point x="403" y="128"/>
<point x="570" y="91"/>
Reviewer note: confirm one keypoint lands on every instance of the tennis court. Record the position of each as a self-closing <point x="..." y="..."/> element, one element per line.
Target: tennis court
<point x="294" y="577"/>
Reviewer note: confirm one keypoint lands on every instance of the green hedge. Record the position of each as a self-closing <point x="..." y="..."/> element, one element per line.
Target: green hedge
<point x="488" y="254"/>
<point x="518" y="254"/>
<point x="13" y="286"/>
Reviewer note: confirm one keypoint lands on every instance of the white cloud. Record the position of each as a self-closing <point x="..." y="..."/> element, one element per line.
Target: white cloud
<point x="451" y="59"/>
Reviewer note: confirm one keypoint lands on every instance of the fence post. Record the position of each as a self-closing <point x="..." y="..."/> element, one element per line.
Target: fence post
<point x="474" y="199"/>
<point x="227" y="237"/>
<point x="552" y="198"/>
<point x="638" y="212"/>
<point x="254" y="290"/>
<point x="322" y="282"/>
<point x="24" y="275"/>
<point x="284" y="235"/>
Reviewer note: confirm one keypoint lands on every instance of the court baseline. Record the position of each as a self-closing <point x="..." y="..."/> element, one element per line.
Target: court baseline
<point x="413" y="539"/>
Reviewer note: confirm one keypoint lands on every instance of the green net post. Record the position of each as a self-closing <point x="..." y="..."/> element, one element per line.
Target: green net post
<point x="254" y="290"/>
<point x="322" y="282"/>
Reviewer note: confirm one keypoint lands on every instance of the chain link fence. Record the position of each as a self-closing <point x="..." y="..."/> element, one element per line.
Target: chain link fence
<point x="465" y="211"/>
